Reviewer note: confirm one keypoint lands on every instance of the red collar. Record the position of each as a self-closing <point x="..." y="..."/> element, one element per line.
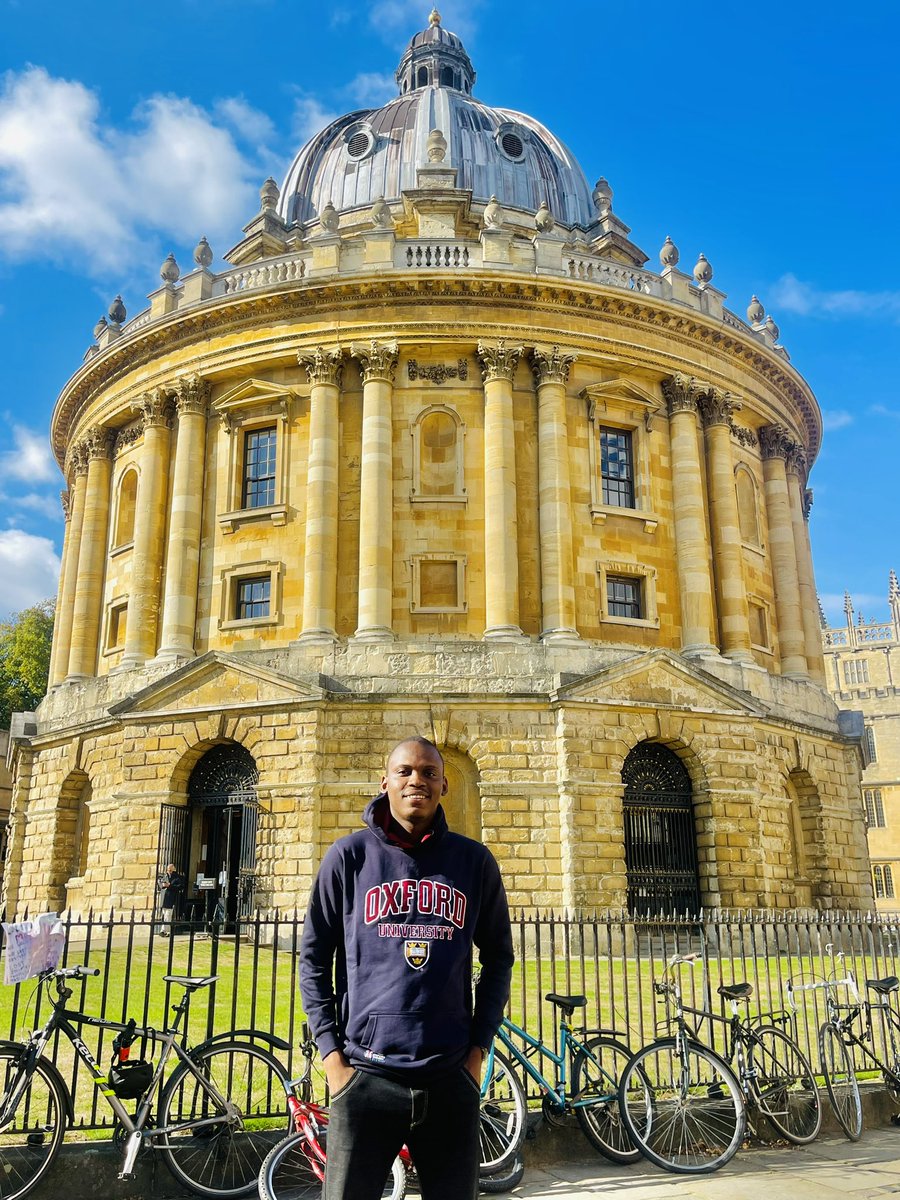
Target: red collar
<point x="396" y="834"/>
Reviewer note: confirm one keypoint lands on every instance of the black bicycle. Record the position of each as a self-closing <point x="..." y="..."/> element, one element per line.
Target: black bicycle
<point x="219" y="1110"/>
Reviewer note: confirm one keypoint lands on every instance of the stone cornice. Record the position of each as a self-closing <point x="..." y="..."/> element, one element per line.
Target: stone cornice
<point x="690" y="332"/>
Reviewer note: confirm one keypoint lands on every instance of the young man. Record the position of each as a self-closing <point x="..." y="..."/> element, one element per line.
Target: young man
<point x="386" y="977"/>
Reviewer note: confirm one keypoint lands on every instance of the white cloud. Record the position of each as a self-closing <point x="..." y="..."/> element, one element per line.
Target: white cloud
<point x="793" y="295"/>
<point x="881" y="410"/>
<point x="405" y="17"/>
<point x="310" y="117"/>
<point x="29" y="568"/>
<point x="252" y="125"/>
<point x="371" y="90"/>
<point x="31" y="460"/>
<point x="45" y="504"/>
<point x="70" y="185"/>
<point x="833" y="419"/>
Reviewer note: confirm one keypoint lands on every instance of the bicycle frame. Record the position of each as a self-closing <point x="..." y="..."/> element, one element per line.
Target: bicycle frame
<point x="569" y="1046"/>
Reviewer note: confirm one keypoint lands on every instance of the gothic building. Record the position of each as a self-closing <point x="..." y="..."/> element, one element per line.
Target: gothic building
<point x="437" y="452"/>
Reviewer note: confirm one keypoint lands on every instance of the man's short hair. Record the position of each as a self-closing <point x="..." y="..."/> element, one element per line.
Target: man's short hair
<point x="418" y="740"/>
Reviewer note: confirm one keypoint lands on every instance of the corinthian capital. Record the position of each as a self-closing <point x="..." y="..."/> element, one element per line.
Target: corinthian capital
<point x="682" y="393"/>
<point x="154" y="408"/>
<point x="500" y="361"/>
<point x="774" y="441"/>
<point x="191" y="395"/>
<point x="78" y="460"/>
<point x="550" y="365"/>
<point x="323" y="366"/>
<point x="807" y="503"/>
<point x="99" y="442"/>
<point x="717" y="407"/>
<point x="378" y="360"/>
<point x="796" y="460"/>
<point x="65" y="500"/>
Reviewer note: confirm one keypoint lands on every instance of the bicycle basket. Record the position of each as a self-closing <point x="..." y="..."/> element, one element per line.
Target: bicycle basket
<point x="129" y="1080"/>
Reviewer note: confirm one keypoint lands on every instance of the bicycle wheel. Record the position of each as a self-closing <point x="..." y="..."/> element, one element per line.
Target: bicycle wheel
<point x="595" y="1079"/>
<point x="503" y="1113"/>
<point x="697" y="1117"/>
<point x="840" y="1080"/>
<point x="287" y="1174"/>
<point x="31" y="1138"/>
<point x="783" y="1085"/>
<point x="506" y="1179"/>
<point x="215" y="1141"/>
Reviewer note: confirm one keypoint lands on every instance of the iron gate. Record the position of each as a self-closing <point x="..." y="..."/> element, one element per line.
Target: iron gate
<point x="172" y="845"/>
<point x="660" y="838"/>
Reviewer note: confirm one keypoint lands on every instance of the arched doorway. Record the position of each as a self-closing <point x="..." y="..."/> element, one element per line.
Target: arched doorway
<point x="660" y="838"/>
<point x="223" y="825"/>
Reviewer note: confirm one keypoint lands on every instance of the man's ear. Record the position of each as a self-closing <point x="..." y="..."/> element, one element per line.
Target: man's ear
<point x="384" y="783"/>
<point x="445" y="787"/>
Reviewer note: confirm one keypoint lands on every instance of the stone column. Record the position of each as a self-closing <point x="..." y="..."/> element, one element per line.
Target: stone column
<point x="86" y="610"/>
<point x="501" y="551"/>
<point x="376" y="493"/>
<point x="716" y="408"/>
<point x="809" y="600"/>
<point x="65" y="602"/>
<point x="692" y="547"/>
<point x="324" y="368"/>
<point x="775" y="447"/>
<point x="551" y="373"/>
<point x="183" y="556"/>
<point x="142" y="623"/>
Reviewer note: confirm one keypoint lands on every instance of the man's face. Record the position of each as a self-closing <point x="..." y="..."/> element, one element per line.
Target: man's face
<point x="414" y="781"/>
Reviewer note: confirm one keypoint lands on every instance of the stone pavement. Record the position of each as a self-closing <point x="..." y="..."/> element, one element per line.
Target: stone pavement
<point x="830" y="1168"/>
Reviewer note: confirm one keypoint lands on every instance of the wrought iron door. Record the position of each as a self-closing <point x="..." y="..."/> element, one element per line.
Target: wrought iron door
<point x="660" y="837"/>
<point x="172" y="844"/>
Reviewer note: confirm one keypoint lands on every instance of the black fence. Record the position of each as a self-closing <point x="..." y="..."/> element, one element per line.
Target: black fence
<point x="609" y="958"/>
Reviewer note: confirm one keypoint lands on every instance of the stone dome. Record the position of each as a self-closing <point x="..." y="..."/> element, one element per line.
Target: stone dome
<point x="373" y="153"/>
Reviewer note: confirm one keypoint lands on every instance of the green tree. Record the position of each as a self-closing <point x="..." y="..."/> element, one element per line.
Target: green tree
<point x="25" y="659"/>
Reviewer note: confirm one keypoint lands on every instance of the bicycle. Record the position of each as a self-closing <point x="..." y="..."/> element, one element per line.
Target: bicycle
<point x="700" y="1098"/>
<point x="214" y="1123"/>
<point x="595" y="1067"/>
<point x="838" y="1034"/>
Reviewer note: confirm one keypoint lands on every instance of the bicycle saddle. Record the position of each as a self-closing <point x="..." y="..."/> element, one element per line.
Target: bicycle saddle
<point x="191" y="982"/>
<point x="884" y="986"/>
<point x="568" y="1002"/>
<point x="736" y="991"/>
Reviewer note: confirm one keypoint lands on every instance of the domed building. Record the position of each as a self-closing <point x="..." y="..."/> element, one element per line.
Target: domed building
<point x="436" y="453"/>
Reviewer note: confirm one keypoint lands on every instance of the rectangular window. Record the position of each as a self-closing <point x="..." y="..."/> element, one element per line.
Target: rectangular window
<point x="759" y="632"/>
<point x="856" y="670"/>
<point x="258" y="489"/>
<point x="874" y="808"/>
<point x="883" y="878"/>
<point x="623" y="597"/>
<point x="617" y="467"/>
<point x="118" y="618"/>
<point x="253" y="597"/>
<point x="869" y="745"/>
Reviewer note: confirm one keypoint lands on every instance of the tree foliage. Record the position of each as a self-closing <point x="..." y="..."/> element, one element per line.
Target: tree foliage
<point x="25" y="659"/>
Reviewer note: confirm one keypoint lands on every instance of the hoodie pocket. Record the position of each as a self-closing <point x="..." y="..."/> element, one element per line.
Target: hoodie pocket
<point x="413" y="1036"/>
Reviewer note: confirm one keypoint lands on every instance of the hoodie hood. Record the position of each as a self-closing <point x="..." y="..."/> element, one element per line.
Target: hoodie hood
<point x="377" y="817"/>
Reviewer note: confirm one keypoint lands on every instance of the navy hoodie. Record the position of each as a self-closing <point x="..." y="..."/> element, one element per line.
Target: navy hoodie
<point x="386" y="955"/>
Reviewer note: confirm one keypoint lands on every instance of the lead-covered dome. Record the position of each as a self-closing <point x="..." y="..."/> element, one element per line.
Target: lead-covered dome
<point x="375" y="153"/>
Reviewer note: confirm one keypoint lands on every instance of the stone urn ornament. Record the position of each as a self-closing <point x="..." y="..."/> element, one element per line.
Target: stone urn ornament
<point x="493" y="214"/>
<point x="543" y="219"/>
<point x="668" y="256"/>
<point x="329" y="219"/>
<point x="436" y="146"/>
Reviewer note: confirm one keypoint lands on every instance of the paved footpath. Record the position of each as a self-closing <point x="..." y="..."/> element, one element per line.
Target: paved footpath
<point x="828" y="1169"/>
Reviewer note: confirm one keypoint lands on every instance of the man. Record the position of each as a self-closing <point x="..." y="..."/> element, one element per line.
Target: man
<point x="171" y="886"/>
<point x="386" y="977"/>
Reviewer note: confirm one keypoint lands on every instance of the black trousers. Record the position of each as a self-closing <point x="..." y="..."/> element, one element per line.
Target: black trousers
<point x="372" y="1118"/>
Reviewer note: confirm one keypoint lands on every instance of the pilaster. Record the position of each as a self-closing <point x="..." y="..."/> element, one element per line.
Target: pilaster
<point x="65" y="603"/>
<point x="775" y="446"/>
<point x="796" y="472"/>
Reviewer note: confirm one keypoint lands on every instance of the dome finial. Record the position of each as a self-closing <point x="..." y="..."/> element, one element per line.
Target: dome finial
<point x="434" y="17"/>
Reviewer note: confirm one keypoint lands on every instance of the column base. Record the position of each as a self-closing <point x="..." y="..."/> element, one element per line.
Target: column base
<point x="316" y="637"/>
<point x="374" y="633"/>
<point x="504" y="633"/>
<point x="740" y="656"/>
<point x="561" y="637"/>
<point x="701" y="651"/>
<point x="130" y="662"/>
<point x="171" y="656"/>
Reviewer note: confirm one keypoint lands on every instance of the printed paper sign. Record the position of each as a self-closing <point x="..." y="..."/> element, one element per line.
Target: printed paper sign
<point x="32" y="946"/>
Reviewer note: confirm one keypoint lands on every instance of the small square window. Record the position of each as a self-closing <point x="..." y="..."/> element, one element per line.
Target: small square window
<point x="623" y="597"/>
<point x="253" y="597"/>
<point x="617" y="467"/>
<point x="258" y="488"/>
<point x="438" y="583"/>
<point x="118" y="619"/>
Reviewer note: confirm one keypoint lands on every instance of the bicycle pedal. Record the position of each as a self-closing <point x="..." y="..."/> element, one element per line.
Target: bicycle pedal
<point x="35" y="1139"/>
<point x="895" y="1119"/>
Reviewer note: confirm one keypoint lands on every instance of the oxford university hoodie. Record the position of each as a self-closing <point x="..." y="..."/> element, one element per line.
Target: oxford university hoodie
<point x="386" y="955"/>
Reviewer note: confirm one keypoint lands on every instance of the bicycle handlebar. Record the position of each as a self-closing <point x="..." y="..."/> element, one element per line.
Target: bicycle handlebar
<point x="78" y="972"/>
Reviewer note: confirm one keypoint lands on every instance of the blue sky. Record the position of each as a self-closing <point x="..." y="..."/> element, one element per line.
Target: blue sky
<point x="765" y="138"/>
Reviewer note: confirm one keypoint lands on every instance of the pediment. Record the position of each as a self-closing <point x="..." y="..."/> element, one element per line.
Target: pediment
<point x="663" y="680"/>
<point x="216" y="682"/>
<point x="253" y="395"/>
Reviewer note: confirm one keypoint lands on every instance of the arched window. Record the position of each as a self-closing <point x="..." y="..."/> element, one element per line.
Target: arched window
<point x="748" y="510"/>
<point x="422" y="80"/>
<point x="660" y="837"/>
<point x="125" y="508"/>
<point x="446" y="77"/>
<point x="438" y="467"/>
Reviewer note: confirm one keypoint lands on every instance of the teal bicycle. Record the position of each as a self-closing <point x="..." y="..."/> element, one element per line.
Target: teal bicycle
<point x="586" y="1073"/>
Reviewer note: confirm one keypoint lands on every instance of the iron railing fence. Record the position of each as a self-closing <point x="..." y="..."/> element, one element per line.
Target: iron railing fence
<point x="609" y="958"/>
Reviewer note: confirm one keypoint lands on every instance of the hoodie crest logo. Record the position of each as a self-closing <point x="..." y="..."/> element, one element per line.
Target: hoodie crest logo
<point x="416" y="954"/>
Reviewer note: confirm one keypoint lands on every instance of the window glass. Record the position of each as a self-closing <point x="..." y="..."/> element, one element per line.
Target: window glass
<point x="253" y="597"/>
<point x="874" y="808"/>
<point x="623" y="596"/>
<point x="856" y="670"/>
<point x="617" y="467"/>
<point x="259" y="468"/>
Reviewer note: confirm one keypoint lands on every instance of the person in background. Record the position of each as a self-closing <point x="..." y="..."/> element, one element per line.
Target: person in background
<point x="171" y="886"/>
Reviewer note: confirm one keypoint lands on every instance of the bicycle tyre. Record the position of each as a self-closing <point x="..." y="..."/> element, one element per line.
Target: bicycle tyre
<point x="286" y="1173"/>
<point x="505" y="1180"/>
<point x="223" y="1159"/>
<point x="783" y="1085"/>
<point x="698" y="1116"/>
<point x="503" y="1115"/>
<point x="31" y="1139"/>
<point x="840" y="1080"/>
<point x="603" y="1060"/>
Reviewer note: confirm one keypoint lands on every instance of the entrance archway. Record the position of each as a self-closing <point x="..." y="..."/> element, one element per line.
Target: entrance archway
<point x="660" y="837"/>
